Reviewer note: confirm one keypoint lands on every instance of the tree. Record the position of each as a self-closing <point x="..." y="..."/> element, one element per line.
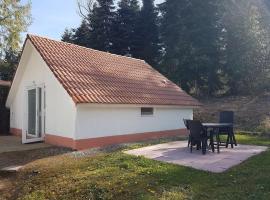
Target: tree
<point x="147" y="34"/>
<point x="68" y="36"/>
<point x="100" y="24"/>
<point x="14" y="19"/>
<point x="82" y="35"/>
<point x="124" y="27"/>
<point x="190" y="35"/>
<point x="8" y="65"/>
<point x="95" y="30"/>
<point x="247" y="46"/>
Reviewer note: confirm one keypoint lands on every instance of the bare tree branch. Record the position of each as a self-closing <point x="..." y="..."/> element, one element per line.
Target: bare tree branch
<point x="3" y="18"/>
<point x="85" y="7"/>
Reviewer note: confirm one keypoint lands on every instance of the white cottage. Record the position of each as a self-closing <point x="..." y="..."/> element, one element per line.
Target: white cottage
<point x="77" y="97"/>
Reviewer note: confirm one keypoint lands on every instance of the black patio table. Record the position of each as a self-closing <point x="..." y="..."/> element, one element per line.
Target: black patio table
<point x="215" y="131"/>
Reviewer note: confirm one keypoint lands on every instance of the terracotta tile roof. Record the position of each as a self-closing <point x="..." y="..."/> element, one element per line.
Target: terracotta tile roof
<point x="5" y="83"/>
<point x="91" y="76"/>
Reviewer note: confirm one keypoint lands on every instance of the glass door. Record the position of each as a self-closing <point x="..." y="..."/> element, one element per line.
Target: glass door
<point x="32" y="113"/>
<point x="34" y="124"/>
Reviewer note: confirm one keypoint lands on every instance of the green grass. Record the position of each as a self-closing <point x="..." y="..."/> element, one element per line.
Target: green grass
<point x="119" y="176"/>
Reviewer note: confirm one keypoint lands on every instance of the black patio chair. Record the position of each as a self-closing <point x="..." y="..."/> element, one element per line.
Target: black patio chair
<point x="186" y="121"/>
<point x="198" y="135"/>
<point x="227" y="117"/>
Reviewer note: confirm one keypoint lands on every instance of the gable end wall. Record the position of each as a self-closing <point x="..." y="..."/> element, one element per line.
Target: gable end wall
<point x="60" y="110"/>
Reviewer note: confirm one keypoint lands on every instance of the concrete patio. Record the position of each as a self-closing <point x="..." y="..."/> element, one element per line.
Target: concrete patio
<point x="13" y="143"/>
<point x="178" y="153"/>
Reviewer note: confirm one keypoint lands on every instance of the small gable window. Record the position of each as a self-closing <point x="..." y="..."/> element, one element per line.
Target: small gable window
<point x="147" y="111"/>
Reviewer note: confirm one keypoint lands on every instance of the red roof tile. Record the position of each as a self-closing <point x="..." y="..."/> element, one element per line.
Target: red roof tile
<point x="91" y="76"/>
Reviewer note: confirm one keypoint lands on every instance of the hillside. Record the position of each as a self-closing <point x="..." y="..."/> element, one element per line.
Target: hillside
<point x="251" y="113"/>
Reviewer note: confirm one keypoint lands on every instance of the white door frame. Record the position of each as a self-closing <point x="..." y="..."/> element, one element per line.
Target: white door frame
<point x="25" y="135"/>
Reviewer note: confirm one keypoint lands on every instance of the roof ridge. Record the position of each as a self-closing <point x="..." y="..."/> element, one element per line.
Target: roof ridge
<point x="76" y="45"/>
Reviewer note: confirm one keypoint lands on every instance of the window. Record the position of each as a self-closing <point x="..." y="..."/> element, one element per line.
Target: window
<point x="147" y="111"/>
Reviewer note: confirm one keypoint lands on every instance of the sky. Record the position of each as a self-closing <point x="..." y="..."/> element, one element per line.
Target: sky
<point x="51" y="17"/>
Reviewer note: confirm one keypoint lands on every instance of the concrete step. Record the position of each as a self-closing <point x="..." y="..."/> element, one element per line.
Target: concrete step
<point x="12" y="168"/>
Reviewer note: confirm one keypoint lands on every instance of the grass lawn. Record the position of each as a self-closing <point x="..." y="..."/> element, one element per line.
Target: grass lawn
<point x="119" y="176"/>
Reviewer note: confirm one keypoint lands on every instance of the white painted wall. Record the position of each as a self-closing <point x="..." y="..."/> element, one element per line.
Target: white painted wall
<point x="108" y="120"/>
<point x="60" y="112"/>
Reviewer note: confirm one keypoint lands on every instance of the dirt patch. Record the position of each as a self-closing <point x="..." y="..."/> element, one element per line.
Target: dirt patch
<point x="252" y="113"/>
<point x="6" y="185"/>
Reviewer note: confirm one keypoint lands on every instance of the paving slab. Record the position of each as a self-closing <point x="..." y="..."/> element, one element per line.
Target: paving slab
<point x="13" y="143"/>
<point x="178" y="153"/>
<point x="10" y="146"/>
<point x="12" y="168"/>
<point x="14" y="155"/>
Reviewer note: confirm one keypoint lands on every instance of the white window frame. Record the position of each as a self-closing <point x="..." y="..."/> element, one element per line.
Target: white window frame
<point x="25" y="135"/>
